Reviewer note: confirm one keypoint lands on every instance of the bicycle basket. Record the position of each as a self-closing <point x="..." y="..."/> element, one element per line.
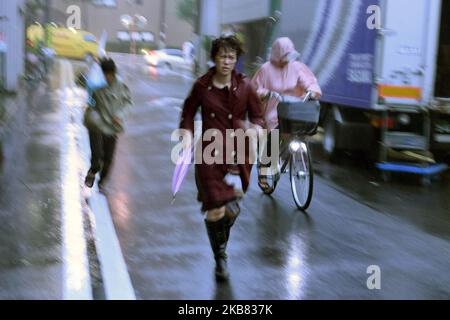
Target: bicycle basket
<point x="301" y="118"/>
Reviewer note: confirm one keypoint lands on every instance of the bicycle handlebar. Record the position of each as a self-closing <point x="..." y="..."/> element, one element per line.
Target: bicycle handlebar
<point x="307" y="96"/>
<point x="292" y="99"/>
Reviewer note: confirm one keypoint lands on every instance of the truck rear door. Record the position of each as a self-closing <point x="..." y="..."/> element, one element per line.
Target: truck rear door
<point x="402" y="51"/>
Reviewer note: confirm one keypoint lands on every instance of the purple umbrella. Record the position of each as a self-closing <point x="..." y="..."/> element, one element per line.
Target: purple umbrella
<point x="181" y="170"/>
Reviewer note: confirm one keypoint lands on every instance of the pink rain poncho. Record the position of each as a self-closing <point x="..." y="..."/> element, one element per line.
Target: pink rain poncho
<point x="291" y="79"/>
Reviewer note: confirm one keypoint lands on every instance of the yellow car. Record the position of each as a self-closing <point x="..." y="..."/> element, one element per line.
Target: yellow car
<point x="67" y="42"/>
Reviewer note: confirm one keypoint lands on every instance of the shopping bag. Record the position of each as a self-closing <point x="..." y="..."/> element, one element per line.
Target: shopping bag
<point x="95" y="77"/>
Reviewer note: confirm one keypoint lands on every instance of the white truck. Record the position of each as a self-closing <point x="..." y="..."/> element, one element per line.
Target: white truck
<point x="384" y="67"/>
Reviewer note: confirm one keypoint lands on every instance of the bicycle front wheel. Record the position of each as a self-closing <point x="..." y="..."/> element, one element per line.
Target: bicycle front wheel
<point x="302" y="177"/>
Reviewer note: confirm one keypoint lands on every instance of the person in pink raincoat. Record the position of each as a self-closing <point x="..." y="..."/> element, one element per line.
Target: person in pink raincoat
<point x="283" y="75"/>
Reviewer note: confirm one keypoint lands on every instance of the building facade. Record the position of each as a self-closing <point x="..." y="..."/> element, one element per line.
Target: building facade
<point x="163" y="27"/>
<point x="12" y="40"/>
<point x="254" y="21"/>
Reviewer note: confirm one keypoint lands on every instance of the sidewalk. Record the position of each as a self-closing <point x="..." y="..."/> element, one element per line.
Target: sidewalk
<point x="53" y="246"/>
<point x="42" y="228"/>
<point x="30" y="201"/>
<point x="48" y="235"/>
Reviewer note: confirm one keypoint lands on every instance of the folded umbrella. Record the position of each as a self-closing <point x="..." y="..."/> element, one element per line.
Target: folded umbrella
<point x="181" y="170"/>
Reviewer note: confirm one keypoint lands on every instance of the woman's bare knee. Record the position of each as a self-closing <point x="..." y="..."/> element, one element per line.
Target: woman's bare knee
<point x="215" y="214"/>
<point x="232" y="209"/>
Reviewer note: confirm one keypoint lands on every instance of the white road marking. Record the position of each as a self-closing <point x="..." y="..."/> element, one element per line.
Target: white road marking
<point x="76" y="276"/>
<point x="116" y="280"/>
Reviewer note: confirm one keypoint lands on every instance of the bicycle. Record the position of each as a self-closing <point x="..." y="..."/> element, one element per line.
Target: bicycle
<point x="300" y="119"/>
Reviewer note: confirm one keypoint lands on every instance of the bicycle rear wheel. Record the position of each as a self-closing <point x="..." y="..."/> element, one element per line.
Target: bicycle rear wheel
<point x="302" y="177"/>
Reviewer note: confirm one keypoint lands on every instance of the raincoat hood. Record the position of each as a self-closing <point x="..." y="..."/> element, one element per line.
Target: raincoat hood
<point x="283" y="49"/>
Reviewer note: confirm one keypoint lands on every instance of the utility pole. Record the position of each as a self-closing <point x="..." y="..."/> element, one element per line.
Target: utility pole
<point x="47" y="21"/>
<point x="272" y="27"/>
<point x="198" y="4"/>
<point x="198" y="38"/>
<point x="48" y="17"/>
<point x="163" y="25"/>
<point x="209" y="17"/>
<point x="85" y="15"/>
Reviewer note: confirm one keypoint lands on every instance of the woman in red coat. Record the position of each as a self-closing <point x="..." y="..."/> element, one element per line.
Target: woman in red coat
<point x="227" y="101"/>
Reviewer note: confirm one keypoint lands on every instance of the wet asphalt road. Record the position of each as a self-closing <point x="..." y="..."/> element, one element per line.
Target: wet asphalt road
<point x="426" y="207"/>
<point x="275" y="252"/>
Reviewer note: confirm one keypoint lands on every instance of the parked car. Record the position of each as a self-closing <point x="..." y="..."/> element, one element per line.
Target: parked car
<point x="66" y="42"/>
<point x="170" y="59"/>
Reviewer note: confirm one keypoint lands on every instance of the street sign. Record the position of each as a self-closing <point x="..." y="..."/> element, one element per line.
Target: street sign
<point x="141" y="21"/>
<point x="126" y="20"/>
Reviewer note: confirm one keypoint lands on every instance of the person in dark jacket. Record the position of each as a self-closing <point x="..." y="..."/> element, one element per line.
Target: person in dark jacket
<point x="228" y="102"/>
<point x="105" y="121"/>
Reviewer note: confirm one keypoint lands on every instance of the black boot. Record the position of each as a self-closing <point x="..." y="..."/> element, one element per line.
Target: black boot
<point x="234" y="209"/>
<point x="217" y="233"/>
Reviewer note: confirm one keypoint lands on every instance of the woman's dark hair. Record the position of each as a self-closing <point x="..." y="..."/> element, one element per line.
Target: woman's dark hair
<point x="226" y="42"/>
<point x="108" y="65"/>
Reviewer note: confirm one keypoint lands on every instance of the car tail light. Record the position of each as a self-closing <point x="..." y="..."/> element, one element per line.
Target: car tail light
<point x="378" y="123"/>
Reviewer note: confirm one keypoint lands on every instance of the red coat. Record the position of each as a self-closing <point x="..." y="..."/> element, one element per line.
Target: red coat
<point x="242" y="103"/>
